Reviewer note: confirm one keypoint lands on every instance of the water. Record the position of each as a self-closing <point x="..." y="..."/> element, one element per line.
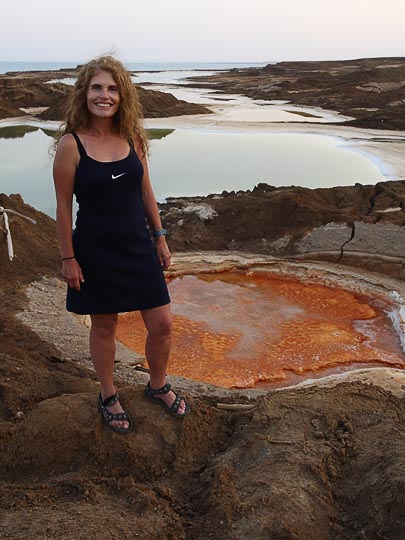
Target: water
<point x="169" y="77"/>
<point x="234" y="329"/>
<point x="25" y="168"/>
<point x="187" y="163"/>
<point x="6" y="67"/>
<point x="133" y="66"/>
<point x="200" y="163"/>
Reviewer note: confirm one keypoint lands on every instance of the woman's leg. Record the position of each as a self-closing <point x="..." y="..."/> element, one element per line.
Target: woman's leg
<point x="102" y="349"/>
<point x="158" y="323"/>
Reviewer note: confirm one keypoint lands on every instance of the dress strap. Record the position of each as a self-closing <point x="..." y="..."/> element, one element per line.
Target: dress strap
<point x="80" y="146"/>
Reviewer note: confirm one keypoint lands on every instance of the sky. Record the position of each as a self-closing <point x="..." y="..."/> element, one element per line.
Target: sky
<point x="201" y="30"/>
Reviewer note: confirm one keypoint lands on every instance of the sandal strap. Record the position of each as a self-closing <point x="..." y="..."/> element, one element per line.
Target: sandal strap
<point x="109" y="401"/>
<point x="110" y="417"/>
<point x="163" y="390"/>
<point x="176" y="403"/>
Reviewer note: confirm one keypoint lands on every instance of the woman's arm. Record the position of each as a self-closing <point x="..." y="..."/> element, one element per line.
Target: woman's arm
<point x="64" y="170"/>
<point x="152" y="213"/>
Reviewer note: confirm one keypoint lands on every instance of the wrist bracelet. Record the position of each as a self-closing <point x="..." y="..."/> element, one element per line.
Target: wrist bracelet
<point x="162" y="232"/>
<point x="68" y="258"/>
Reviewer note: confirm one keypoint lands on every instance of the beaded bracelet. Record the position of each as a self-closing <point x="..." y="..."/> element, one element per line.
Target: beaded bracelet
<point x="162" y="232"/>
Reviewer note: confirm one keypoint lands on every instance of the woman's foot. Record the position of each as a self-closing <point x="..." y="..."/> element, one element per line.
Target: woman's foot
<point x="113" y="414"/>
<point x="172" y="402"/>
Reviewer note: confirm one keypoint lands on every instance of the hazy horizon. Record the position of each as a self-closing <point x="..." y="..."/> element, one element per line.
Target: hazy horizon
<point x="212" y="61"/>
<point x="214" y="31"/>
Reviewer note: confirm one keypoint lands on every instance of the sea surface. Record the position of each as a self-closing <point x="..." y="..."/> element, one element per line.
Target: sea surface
<point x="6" y="67"/>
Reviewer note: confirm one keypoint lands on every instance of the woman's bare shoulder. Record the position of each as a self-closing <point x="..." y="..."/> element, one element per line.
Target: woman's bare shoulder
<point x="67" y="145"/>
<point x="67" y="141"/>
<point x="67" y="150"/>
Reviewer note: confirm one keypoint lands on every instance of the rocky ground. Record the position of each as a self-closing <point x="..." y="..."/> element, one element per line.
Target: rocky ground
<point x="310" y="463"/>
<point x="356" y="225"/>
<point x="24" y="91"/>
<point x="370" y="90"/>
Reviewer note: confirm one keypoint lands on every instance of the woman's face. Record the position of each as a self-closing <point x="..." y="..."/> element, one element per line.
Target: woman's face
<point x="103" y="98"/>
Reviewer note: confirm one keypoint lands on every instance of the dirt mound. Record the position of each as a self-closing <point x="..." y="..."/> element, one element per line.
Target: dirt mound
<point x="35" y="246"/>
<point x="18" y="92"/>
<point x="311" y="465"/>
<point x="307" y="464"/>
<point x="31" y="369"/>
<point x="88" y="448"/>
<point x="31" y="89"/>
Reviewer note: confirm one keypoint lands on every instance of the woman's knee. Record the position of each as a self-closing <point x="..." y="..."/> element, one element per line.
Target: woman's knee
<point x="158" y="321"/>
<point x="161" y="327"/>
<point x="104" y="325"/>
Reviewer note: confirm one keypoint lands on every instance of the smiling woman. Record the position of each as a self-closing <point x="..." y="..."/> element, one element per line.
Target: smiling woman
<point x="105" y="75"/>
<point x="109" y="263"/>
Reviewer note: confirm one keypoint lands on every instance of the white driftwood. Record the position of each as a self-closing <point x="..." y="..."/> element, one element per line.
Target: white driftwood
<point x="237" y="406"/>
<point x="3" y="212"/>
<point x="8" y="235"/>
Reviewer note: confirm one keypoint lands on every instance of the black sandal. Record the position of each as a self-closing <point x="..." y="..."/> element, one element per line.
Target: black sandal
<point x="111" y="417"/>
<point x="173" y="409"/>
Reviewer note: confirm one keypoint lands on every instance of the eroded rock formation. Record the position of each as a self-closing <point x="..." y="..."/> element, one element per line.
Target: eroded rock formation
<point x="351" y="224"/>
<point x="29" y="90"/>
<point x="371" y="90"/>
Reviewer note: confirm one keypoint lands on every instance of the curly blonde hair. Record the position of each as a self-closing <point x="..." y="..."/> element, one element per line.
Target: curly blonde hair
<point x="129" y="117"/>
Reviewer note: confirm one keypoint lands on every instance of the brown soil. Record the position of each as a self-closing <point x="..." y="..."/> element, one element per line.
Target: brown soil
<point x="245" y="218"/>
<point x="309" y="464"/>
<point x="30" y="89"/>
<point x="371" y="90"/>
<point x="305" y="464"/>
<point x="275" y="221"/>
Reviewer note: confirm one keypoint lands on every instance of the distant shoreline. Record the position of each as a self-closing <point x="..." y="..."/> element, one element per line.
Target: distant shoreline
<point x="22" y="66"/>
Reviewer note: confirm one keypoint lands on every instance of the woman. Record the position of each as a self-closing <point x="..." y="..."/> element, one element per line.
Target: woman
<point x="109" y="263"/>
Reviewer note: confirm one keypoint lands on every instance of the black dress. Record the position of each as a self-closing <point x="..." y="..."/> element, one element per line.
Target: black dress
<point x="111" y="242"/>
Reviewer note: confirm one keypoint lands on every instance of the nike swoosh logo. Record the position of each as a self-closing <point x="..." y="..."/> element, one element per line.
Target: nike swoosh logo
<point x="118" y="175"/>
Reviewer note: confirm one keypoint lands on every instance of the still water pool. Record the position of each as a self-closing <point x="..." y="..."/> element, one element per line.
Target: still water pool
<point x="239" y="330"/>
<point x="187" y="162"/>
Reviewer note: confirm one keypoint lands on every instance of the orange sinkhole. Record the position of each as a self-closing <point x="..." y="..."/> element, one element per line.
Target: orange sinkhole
<point x="237" y="330"/>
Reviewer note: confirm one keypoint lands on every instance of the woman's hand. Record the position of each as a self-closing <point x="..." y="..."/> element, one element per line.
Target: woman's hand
<point x="72" y="274"/>
<point x="163" y="252"/>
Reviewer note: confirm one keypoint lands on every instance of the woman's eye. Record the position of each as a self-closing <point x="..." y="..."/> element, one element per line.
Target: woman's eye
<point x="97" y="88"/>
